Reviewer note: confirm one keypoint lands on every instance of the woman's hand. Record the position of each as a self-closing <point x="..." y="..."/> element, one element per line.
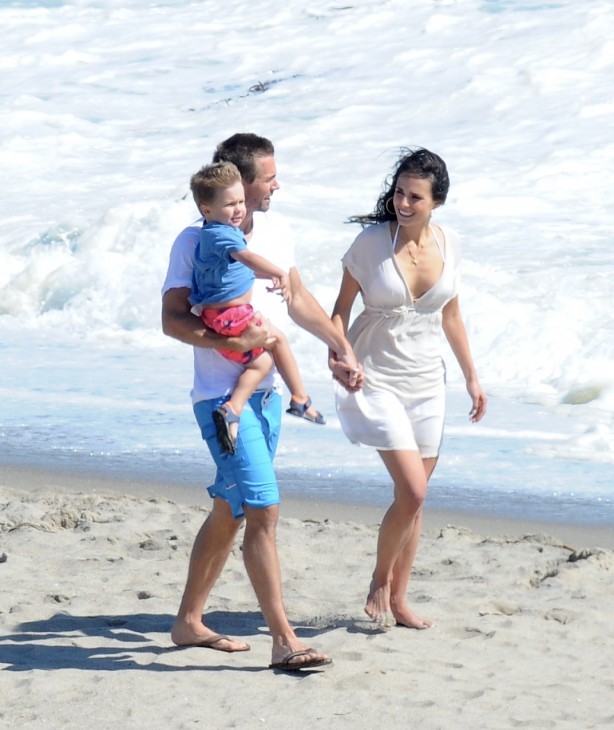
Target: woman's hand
<point x="479" y="401"/>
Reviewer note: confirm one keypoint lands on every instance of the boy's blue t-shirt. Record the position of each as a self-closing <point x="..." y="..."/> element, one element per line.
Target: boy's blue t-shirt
<point x="217" y="276"/>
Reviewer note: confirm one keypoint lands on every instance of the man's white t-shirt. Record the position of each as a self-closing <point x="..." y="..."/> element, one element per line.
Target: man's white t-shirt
<point x="214" y="375"/>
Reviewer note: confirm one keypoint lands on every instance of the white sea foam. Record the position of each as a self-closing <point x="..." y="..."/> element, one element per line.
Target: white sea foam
<point x="108" y="107"/>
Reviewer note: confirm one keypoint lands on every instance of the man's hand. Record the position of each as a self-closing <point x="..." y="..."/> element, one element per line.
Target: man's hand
<point x="256" y="334"/>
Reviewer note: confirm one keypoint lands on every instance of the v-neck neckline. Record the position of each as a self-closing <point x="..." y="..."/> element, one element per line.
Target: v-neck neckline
<point x="393" y="239"/>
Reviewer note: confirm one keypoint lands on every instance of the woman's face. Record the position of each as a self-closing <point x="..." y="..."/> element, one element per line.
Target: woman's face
<point x="413" y="200"/>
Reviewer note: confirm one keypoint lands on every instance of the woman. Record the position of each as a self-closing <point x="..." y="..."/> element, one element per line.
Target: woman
<point x="406" y="270"/>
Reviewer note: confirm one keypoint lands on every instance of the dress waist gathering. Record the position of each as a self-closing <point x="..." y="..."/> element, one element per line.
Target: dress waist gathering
<point x="388" y="312"/>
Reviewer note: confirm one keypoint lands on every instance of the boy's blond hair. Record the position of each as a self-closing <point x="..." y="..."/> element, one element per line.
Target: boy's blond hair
<point x="205" y="183"/>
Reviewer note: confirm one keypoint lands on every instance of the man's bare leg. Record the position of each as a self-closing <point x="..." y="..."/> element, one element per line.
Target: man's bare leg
<point x="210" y="552"/>
<point x="262" y="564"/>
<point x="401" y="573"/>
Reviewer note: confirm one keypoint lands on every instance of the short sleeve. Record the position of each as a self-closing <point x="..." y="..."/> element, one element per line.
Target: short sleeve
<point x="453" y="255"/>
<point x="231" y="240"/>
<point x="348" y="261"/>
<point x="181" y="260"/>
<point x="358" y="258"/>
<point x="366" y="252"/>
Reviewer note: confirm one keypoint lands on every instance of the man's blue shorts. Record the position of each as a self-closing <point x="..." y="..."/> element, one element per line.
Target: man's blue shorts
<point x="247" y="476"/>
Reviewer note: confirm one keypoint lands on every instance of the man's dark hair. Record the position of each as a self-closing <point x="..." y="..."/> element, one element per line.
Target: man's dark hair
<point x="242" y="149"/>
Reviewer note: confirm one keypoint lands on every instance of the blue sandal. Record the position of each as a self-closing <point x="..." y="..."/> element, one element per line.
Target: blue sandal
<point x="300" y="410"/>
<point x="222" y="418"/>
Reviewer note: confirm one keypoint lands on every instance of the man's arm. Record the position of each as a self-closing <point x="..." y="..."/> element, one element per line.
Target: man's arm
<point x="308" y="314"/>
<point x="179" y="323"/>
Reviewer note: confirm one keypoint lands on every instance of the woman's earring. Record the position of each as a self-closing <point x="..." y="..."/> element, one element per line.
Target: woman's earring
<point x="393" y="211"/>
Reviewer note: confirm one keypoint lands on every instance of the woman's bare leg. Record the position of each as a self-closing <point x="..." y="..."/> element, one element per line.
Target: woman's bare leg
<point x="410" y="484"/>
<point x="401" y="573"/>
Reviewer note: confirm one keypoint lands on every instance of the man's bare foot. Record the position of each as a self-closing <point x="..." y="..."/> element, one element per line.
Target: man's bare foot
<point x="297" y="659"/>
<point x="182" y="635"/>
<point x="378" y="606"/>
<point x="404" y="616"/>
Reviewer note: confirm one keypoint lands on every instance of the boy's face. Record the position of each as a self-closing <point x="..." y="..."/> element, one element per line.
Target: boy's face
<point x="228" y="206"/>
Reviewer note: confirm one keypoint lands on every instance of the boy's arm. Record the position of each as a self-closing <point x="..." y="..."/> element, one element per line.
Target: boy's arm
<point x="264" y="269"/>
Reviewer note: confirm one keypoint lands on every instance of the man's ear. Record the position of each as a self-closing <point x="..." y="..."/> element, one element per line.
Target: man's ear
<point x="204" y="210"/>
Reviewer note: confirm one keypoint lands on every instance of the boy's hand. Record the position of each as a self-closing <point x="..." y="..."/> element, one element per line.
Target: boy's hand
<point x="282" y="285"/>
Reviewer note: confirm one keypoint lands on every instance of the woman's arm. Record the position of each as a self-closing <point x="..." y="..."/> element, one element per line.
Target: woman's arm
<point x="348" y="291"/>
<point x="456" y="334"/>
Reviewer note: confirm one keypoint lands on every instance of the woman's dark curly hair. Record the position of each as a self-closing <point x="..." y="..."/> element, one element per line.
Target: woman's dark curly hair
<point x="420" y="163"/>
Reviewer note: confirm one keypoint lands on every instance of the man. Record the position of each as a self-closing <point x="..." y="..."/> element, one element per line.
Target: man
<point x="245" y="486"/>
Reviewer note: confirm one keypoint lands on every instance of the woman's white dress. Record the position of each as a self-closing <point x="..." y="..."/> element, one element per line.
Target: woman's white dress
<point x="398" y="339"/>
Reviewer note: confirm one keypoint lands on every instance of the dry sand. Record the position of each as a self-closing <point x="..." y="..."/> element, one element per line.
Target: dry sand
<point x="90" y="579"/>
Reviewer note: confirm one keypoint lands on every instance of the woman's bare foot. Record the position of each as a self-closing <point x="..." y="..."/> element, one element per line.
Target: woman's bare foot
<point x="404" y="616"/>
<point x="378" y="605"/>
<point x="183" y="635"/>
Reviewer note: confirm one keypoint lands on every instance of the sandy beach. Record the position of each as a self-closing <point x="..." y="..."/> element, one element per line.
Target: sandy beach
<point x="91" y="573"/>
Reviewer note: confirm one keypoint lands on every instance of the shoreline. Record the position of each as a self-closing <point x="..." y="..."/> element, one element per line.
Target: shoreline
<point x="94" y="570"/>
<point x="580" y="535"/>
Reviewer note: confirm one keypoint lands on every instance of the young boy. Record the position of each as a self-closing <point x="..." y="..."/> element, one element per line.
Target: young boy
<point x="224" y="271"/>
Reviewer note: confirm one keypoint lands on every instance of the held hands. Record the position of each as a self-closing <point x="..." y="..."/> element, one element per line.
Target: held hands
<point x="346" y="371"/>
